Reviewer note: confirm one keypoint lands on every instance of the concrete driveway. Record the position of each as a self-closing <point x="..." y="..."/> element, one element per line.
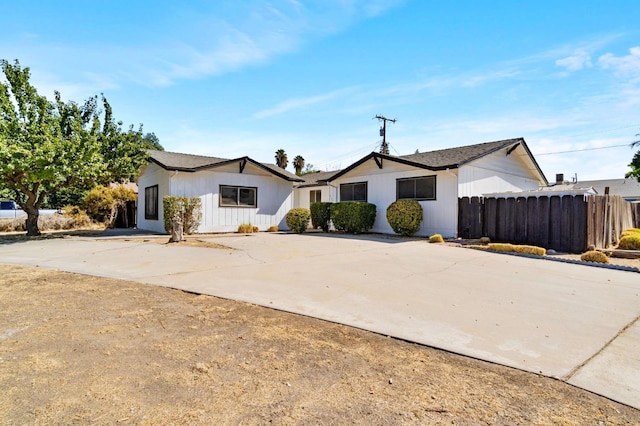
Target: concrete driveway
<point x="576" y="323"/>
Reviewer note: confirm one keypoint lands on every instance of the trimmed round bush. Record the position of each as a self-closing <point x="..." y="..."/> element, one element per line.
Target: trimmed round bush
<point x="353" y="216"/>
<point x="405" y="217"/>
<point x="321" y="215"/>
<point x="594" y="256"/>
<point x="273" y="228"/>
<point x="298" y="219"/>
<point x="630" y="242"/>
<point x="436" y="238"/>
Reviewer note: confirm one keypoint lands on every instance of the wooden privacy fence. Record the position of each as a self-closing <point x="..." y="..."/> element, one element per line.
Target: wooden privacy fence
<point x="565" y="223"/>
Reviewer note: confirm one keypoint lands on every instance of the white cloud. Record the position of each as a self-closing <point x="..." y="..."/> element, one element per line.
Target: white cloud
<point x="626" y="66"/>
<point x="297" y="103"/>
<point x="197" y="42"/>
<point x="580" y="59"/>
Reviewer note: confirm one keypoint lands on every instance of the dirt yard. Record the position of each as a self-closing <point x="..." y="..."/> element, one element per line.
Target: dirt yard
<point x="76" y="349"/>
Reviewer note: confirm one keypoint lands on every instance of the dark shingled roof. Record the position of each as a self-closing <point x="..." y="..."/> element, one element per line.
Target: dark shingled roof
<point x="183" y="162"/>
<point x="455" y="157"/>
<point x="193" y="163"/>
<point x="449" y="158"/>
<point x="317" y="179"/>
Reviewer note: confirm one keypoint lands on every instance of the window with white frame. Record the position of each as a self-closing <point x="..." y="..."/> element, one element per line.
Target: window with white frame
<point x="238" y="196"/>
<point x="417" y="188"/>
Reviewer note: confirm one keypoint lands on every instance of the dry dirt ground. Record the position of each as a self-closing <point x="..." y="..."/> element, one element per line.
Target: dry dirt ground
<point x="77" y="349"/>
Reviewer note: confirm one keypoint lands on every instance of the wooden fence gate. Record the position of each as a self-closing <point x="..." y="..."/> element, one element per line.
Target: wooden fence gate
<point x="565" y="223"/>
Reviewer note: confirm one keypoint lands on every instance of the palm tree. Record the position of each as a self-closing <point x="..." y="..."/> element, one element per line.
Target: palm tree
<point x="281" y="159"/>
<point x="298" y="164"/>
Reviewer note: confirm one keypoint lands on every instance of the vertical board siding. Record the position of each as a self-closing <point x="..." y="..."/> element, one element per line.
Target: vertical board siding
<point x="568" y="223"/>
<point x="275" y="197"/>
<point x="440" y="215"/>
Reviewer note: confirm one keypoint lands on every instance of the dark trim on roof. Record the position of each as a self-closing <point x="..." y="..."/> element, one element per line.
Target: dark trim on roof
<point x="216" y="162"/>
<point x="512" y="143"/>
<point x="378" y="159"/>
<point x="164" y="166"/>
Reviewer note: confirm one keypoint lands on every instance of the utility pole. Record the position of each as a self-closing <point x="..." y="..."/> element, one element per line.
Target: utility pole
<point x="384" y="148"/>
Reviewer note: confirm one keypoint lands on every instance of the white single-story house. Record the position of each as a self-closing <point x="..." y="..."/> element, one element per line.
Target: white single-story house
<point x="262" y="194"/>
<point x="436" y="179"/>
<point x="232" y="192"/>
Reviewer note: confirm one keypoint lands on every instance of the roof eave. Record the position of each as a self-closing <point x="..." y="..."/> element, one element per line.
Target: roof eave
<point x="382" y="157"/>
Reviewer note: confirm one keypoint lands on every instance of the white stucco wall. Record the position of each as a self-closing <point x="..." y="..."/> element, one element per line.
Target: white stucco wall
<point x="274" y="197"/>
<point x="440" y="215"/>
<point x="497" y="172"/>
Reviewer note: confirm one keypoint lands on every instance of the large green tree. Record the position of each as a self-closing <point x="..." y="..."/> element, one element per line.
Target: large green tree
<point x="47" y="147"/>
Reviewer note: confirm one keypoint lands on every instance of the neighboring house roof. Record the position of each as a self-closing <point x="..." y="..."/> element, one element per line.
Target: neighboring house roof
<point x="628" y="188"/>
<point x="193" y="163"/>
<point x="547" y="191"/>
<point x="316" y="178"/>
<point x="449" y="158"/>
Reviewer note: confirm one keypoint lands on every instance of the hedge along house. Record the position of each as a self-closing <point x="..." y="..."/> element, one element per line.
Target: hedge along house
<point x="437" y="179"/>
<point x="232" y="192"/>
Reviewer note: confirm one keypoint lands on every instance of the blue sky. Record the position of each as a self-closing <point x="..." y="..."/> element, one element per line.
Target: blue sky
<point x="235" y="78"/>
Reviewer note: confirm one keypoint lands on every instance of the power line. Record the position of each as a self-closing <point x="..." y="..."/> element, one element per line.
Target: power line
<point x="580" y="150"/>
<point x="603" y="131"/>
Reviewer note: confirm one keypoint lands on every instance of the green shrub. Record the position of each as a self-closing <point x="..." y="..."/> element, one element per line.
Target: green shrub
<point x="405" y="217"/>
<point x="594" y="256"/>
<point x="436" y="238"/>
<point x="186" y="209"/>
<point x="298" y="219"/>
<point x="630" y="242"/>
<point x="353" y="216"/>
<point x="321" y="215"/>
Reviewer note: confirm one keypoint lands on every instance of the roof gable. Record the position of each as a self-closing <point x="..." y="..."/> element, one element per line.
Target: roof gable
<point x="193" y="163"/>
<point x="450" y="158"/>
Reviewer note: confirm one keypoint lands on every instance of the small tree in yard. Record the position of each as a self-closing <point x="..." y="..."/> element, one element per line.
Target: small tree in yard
<point x="185" y="211"/>
<point x="46" y="147"/>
